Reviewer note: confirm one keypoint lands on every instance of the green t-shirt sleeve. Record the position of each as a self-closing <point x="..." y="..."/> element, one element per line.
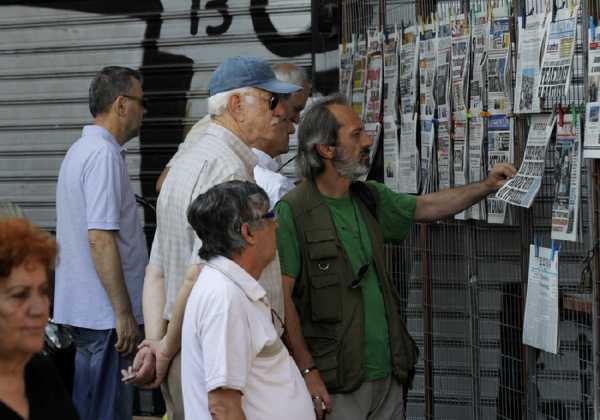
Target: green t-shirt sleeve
<point x="397" y="212"/>
<point x="287" y="242"/>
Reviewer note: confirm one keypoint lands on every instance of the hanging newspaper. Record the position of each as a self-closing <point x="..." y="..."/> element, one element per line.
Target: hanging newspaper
<point x="557" y="60"/>
<point x="374" y="83"/>
<point x="461" y="63"/>
<point x="591" y="144"/>
<point x="479" y="37"/>
<point x="427" y="59"/>
<point x="567" y="180"/>
<point x="540" y="322"/>
<point x="499" y="97"/>
<point x="409" y="155"/>
<point x="359" y="77"/>
<point x="409" y="66"/>
<point x="391" y="153"/>
<point x="528" y="63"/>
<point x="442" y="101"/>
<point x="346" y="67"/>
<point x="523" y="188"/>
<point x="390" y="76"/>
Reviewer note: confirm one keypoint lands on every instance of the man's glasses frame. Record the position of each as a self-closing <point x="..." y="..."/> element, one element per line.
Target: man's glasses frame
<point x="142" y="101"/>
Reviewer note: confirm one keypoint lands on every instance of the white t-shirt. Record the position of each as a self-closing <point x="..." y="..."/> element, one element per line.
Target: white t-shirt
<point x="267" y="177"/>
<point x="229" y="341"/>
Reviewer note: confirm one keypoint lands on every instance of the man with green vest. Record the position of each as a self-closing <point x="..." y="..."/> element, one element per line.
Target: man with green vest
<point x="342" y="312"/>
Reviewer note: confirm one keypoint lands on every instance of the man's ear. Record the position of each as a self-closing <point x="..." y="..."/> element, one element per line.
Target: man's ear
<point x="247" y="234"/>
<point x="234" y="106"/>
<point x="118" y="106"/>
<point x="325" y="151"/>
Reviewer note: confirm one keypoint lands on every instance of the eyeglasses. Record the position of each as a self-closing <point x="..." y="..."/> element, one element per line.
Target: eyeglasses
<point x="270" y="215"/>
<point x="273" y="100"/>
<point x="142" y="101"/>
<point x="362" y="272"/>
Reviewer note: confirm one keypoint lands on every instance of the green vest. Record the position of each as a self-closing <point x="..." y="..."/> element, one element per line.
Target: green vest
<point x="330" y="310"/>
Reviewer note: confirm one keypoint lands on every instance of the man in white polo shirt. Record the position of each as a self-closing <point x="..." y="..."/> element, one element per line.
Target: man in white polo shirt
<point x="233" y="363"/>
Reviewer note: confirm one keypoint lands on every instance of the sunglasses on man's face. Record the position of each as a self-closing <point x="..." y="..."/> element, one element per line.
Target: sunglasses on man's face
<point x="270" y="215"/>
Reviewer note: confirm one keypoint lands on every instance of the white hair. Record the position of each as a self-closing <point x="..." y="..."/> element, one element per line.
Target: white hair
<point x="291" y="73"/>
<point x="217" y="104"/>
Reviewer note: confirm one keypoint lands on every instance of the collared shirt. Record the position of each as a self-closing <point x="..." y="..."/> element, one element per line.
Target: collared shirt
<point x="265" y="173"/>
<point x="192" y="137"/>
<point x="94" y="192"/>
<point x="228" y="340"/>
<point x="218" y="157"/>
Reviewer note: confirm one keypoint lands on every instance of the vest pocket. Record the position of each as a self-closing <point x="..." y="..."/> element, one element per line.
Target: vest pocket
<point x="325" y="295"/>
<point x="324" y="352"/>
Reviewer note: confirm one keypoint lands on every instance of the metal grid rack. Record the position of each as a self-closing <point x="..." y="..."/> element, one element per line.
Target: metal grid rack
<point x="464" y="283"/>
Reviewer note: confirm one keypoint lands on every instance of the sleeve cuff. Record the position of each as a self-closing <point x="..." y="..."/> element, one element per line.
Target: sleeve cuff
<point x="104" y="225"/>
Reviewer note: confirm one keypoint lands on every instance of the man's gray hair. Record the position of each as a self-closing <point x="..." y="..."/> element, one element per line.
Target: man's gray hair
<point x="217" y="104"/>
<point x="107" y="85"/>
<point x="217" y="216"/>
<point x="291" y="73"/>
<point x="318" y="126"/>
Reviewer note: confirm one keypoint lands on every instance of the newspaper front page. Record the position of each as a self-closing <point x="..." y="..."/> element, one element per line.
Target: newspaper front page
<point x="374" y="83"/>
<point x="540" y="322"/>
<point x="346" y="68"/>
<point x="523" y="188"/>
<point x="477" y="124"/>
<point x="391" y="154"/>
<point x="359" y="78"/>
<point x="555" y="75"/>
<point x="591" y="144"/>
<point x="528" y="63"/>
<point x="567" y="180"/>
<point x="499" y="105"/>
<point x="409" y="67"/>
<point x="461" y="63"/>
<point x="427" y="62"/>
<point x="442" y="101"/>
<point x="409" y="155"/>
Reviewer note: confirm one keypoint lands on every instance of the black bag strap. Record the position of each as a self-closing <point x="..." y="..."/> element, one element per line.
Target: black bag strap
<point x="368" y="195"/>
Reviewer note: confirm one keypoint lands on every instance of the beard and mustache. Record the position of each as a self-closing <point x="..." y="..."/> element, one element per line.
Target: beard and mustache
<point x="349" y="168"/>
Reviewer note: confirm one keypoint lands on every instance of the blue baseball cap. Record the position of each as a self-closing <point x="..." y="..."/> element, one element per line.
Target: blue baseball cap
<point x="243" y="71"/>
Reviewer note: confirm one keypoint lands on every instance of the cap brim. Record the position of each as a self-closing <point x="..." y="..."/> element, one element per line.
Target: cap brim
<point x="277" y="86"/>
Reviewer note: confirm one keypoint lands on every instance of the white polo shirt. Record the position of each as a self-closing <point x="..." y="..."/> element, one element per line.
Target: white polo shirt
<point x="229" y="341"/>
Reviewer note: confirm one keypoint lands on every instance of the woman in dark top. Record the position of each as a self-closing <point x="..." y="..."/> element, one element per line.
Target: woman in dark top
<point x="30" y="387"/>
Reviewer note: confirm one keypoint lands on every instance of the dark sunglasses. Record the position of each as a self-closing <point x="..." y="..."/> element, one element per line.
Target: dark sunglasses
<point x="362" y="272"/>
<point x="270" y="215"/>
<point x="142" y="101"/>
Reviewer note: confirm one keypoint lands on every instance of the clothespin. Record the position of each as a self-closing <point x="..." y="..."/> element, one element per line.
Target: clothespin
<point x="574" y="115"/>
<point x="485" y="114"/>
<point x="469" y="115"/>
<point x="555" y="249"/>
<point x="536" y="243"/>
<point x="561" y="115"/>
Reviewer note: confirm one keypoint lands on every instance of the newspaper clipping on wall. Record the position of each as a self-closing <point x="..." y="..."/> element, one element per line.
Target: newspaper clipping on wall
<point x="409" y="66"/>
<point x="540" y="322"/>
<point x="374" y="84"/>
<point x="591" y="144"/>
<point x="567" y="180"/>
<point x="555" y="74"/>
<point x="409" y="155"/>
<point x="528" y="63"/>
<point x="522" y="189"/>
<point x="442" y="101"/>
<point x="427" y="62"/>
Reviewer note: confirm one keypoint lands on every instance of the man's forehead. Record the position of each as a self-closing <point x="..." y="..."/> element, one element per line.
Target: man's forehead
<point x="345" y="116"/>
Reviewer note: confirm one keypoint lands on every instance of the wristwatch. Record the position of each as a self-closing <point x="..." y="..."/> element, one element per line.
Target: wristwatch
<point x="307" y="370"/>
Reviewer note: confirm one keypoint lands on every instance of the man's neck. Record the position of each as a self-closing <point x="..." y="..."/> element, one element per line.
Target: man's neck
<point x="331" y="184"/>
<point x="250" y="264"/>
<point x="113" y="128"/>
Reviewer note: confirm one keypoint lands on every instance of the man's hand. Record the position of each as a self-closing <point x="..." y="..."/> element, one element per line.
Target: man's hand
<point x="127" y="334"/>
<point x="143" y="369"/>
<point x="318" y="392"/>
<point x="499" y="174"/>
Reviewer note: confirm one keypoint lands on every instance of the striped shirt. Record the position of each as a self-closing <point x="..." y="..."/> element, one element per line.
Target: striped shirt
<point x="219" y="157"/>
